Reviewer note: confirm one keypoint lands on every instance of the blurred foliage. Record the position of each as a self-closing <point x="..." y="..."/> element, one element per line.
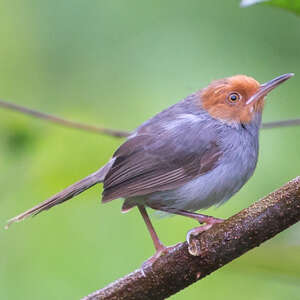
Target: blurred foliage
<point x="293" y="5"/>
<point x="115" y="64"/>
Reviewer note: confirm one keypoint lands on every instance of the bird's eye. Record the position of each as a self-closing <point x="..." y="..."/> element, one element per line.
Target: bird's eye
<point x="234" y="97"/>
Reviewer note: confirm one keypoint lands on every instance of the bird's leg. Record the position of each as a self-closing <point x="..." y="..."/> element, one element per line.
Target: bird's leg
<point x="208" y="220"/>
<point x="199" y="217"/>
<point x="157" y="243"/>
<point x="160" y="248"/>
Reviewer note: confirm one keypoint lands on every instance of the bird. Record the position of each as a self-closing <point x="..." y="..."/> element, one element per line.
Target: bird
<point x="195" y="154"/>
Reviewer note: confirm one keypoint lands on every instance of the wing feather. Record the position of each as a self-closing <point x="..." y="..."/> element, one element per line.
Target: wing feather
<point x="144" y="166"/>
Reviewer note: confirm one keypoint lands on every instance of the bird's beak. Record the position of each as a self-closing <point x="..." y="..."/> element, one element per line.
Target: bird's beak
<point x="265" y="88"/>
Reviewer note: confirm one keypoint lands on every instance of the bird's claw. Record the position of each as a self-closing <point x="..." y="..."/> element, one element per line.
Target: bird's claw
<point x="193" y="244"/>
<point x="149" y="263"/>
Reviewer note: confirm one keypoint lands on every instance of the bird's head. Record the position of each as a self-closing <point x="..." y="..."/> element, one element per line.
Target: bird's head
<point x="237" y="99"/>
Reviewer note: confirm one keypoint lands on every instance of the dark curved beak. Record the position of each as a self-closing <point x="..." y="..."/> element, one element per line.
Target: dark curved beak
<point x="268" y="87"/>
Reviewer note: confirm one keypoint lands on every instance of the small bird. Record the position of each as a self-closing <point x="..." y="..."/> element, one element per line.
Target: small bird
<point x="195" y="154"/>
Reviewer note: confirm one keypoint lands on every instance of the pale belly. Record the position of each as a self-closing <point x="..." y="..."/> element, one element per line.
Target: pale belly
<point x="213" y="188"/>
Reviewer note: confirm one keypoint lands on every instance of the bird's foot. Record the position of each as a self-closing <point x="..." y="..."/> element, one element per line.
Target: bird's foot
<point x="208" y="220"/>
<point x="159" y="253"/>
<point x="194" y="246"/>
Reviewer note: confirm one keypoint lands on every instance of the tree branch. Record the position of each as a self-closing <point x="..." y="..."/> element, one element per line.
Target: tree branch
<point x="285" y="123"/>
<point x="108" y="131"/>
<point x="63" y="122"/>
<point x="210" y="250"/>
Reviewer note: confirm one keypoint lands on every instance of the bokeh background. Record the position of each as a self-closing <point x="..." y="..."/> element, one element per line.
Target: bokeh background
<point x="115" y="64"/>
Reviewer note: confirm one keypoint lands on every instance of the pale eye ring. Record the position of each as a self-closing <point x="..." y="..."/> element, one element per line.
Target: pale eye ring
<point x="234" y="97"/>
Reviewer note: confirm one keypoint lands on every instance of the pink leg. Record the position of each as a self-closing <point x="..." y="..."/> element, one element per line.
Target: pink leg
<point x="199" y="217"/>
<point x="197" y="230"/>
<point x="208" y="220"/>
<point x="157" y="243"/>
<point x="160" y="248"/>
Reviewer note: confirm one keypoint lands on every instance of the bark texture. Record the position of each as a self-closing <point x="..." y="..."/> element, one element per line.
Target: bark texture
<point x="210" y="250"/>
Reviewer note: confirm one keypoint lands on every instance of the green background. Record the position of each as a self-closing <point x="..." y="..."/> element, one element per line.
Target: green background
<point x="115" y="64"/>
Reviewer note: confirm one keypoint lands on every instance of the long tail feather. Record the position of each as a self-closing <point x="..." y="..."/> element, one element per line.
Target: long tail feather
<point x="68" y="193"/>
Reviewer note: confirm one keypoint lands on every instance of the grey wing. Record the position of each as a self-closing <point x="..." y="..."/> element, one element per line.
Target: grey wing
<point x="151" y="162"/>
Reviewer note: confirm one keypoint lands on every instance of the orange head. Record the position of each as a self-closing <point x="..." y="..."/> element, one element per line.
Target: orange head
<point x="237" y="98"/>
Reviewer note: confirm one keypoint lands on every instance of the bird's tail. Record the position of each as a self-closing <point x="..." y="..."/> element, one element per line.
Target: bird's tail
<point x="68" y="193"/>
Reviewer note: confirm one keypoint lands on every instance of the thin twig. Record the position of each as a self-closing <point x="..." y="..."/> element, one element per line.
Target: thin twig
<point x="108" y="131"/>
<point x="210" y="250"/>
<point x="285" y="123"/>
<point x="63" y="122"/>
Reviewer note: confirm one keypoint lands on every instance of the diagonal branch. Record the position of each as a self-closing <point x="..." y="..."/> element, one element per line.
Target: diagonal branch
<point x="63" y="122"/>
<point x="108" y="131"/>
<point x="210" y="250"/>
